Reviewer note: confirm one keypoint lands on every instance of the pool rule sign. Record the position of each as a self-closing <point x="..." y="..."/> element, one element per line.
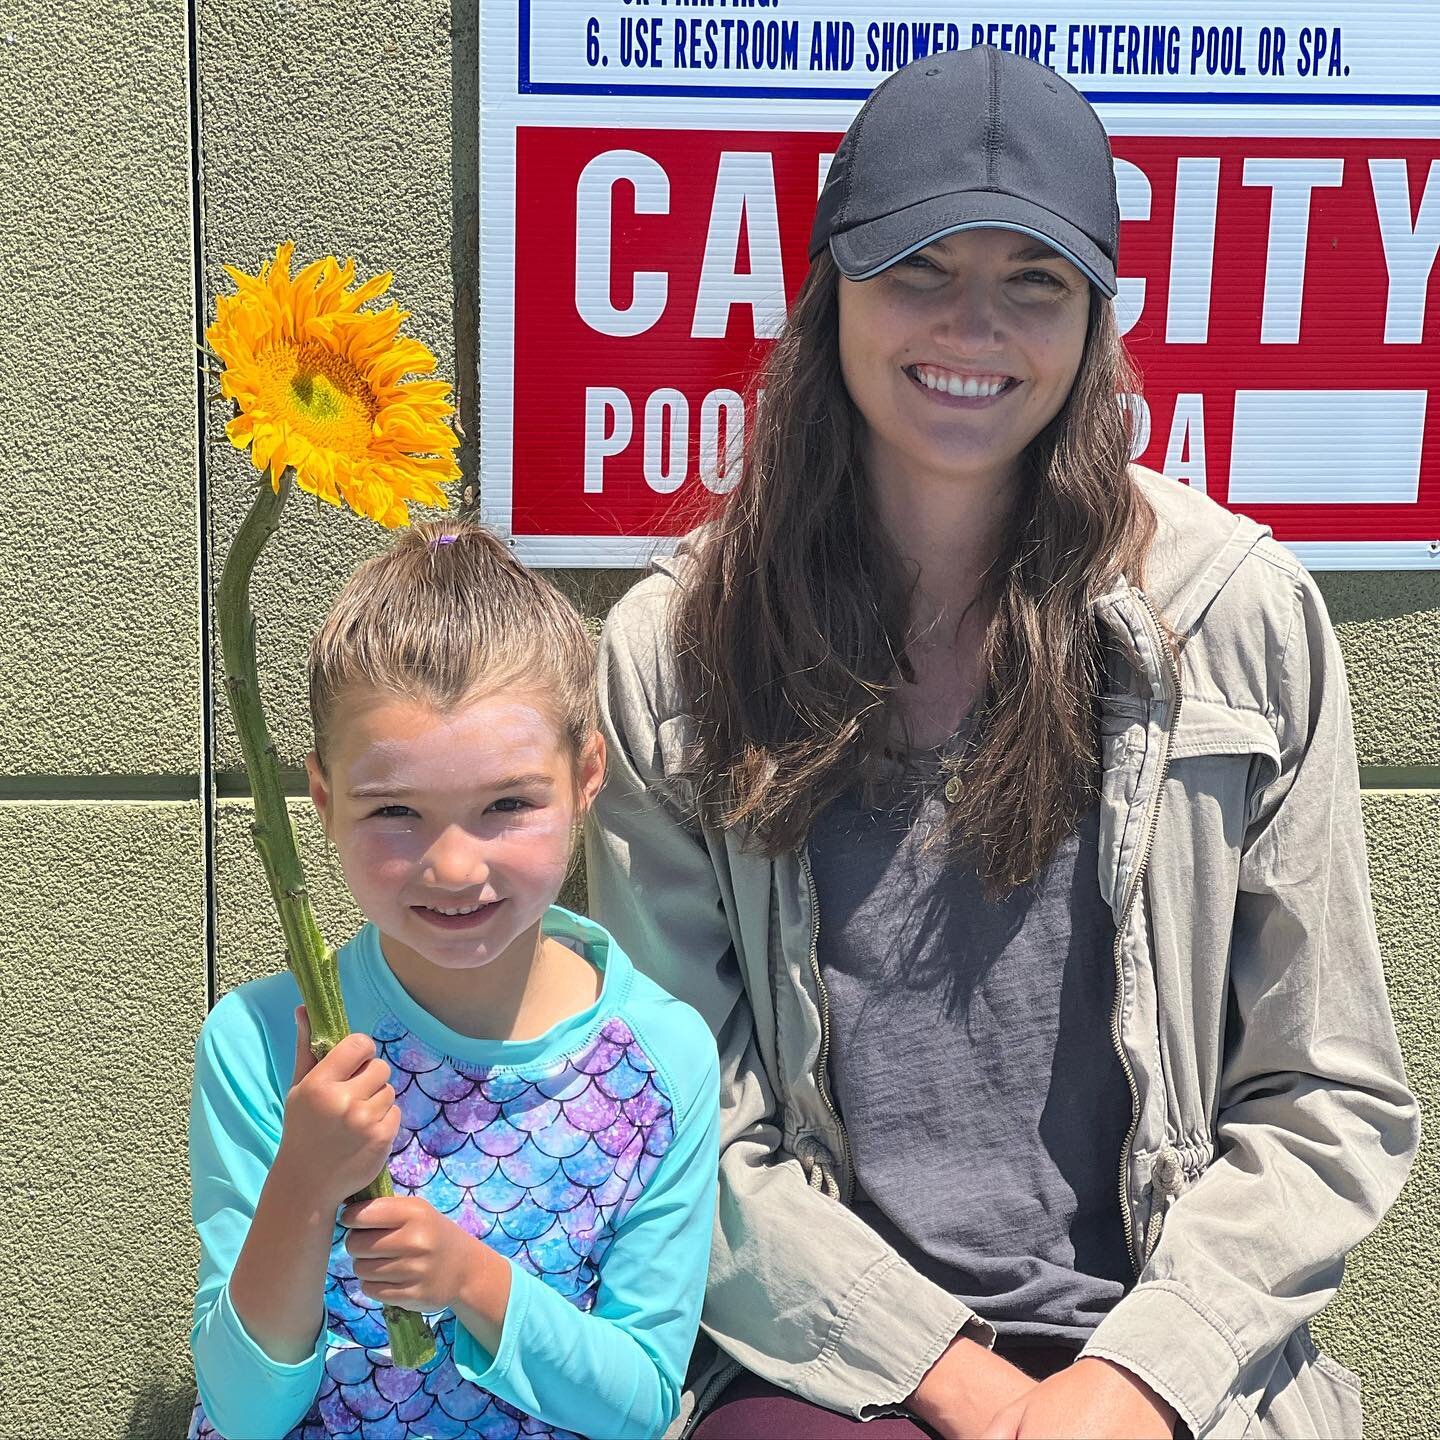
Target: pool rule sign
<point x="649" y="170"/>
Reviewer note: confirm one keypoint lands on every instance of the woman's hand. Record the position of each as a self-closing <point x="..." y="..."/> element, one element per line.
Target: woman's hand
<point x="407" y="1253"/>
<point x="965" y="1387"/>
<point x="340" y="1118"/>
<point x="1089" y="1400"/>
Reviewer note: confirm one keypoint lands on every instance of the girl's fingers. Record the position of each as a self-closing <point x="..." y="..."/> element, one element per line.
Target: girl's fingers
<point x="350" y="1057"/>
<point x="383" y="1213"/>
<point x="373" y="1078"/>
<point x="304" y="1060"/>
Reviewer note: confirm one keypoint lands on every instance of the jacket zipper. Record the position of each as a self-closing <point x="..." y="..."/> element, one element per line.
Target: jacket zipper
<point x="1152" y="819"/>
<point x="712" y="1392"/>
<point x="823" y="1059"/>
<point x="714" y="1389"/>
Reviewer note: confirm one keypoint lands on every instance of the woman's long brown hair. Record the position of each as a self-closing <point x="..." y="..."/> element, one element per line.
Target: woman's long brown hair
<point x="791" y="634"/>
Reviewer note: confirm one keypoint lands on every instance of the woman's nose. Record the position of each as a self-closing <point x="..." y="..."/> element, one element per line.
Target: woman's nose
<point x="455" y="861"/>
<point x="969" y="316"/>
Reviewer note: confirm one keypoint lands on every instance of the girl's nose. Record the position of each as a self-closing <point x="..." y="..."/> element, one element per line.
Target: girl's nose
<point x="455" y="861"/>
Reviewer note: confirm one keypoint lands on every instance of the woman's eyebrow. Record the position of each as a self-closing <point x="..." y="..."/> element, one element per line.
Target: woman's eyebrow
<point x="1034" y="252"/>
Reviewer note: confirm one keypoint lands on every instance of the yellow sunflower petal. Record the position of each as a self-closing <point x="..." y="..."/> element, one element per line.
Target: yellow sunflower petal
<point x="316" y="381"/>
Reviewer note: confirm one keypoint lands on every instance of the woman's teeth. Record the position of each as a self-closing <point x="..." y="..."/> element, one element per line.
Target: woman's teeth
<point x="970" y="386"/>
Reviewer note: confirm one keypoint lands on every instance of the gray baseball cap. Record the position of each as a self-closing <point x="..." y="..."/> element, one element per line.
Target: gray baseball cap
<point x="968" y="140"/>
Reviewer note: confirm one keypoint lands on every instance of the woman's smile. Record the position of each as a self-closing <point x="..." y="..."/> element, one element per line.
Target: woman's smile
<point x="965" y="388"/>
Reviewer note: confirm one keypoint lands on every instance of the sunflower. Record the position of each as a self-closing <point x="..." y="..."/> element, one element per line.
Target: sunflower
<point x="316" y="381"/>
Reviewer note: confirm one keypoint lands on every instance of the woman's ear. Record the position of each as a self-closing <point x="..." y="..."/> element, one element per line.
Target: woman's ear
<point x="319" y="788"/>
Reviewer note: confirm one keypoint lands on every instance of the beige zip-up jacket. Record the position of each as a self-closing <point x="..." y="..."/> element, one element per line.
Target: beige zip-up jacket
<point x="1272" y="1126"/>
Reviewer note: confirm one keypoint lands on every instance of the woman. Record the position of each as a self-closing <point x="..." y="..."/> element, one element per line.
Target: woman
<point x="996" y="803"/>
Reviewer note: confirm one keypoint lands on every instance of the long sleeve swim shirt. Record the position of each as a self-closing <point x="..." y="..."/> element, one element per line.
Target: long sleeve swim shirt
<point x="587" y="1157"/>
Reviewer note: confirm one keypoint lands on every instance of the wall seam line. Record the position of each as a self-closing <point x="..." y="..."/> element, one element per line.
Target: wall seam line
<point x="202" y="495"/>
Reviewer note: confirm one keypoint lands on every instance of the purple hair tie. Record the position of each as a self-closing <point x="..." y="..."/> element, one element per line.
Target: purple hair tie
<point x="443" y="540"/>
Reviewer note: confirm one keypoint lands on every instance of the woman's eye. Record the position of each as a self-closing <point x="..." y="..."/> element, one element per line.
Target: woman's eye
<point x="917" y="262"/>
<point x="1042" y="277"/>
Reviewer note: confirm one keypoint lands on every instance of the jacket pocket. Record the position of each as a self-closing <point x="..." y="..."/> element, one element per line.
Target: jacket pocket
<point x="1309" y="1396"/>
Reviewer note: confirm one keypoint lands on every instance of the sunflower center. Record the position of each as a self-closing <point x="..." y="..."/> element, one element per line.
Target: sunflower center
<point x="320" y="394"/>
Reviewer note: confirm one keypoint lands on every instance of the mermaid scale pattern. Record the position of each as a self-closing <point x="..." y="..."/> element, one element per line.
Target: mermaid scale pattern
<point x="543" y="1168"/>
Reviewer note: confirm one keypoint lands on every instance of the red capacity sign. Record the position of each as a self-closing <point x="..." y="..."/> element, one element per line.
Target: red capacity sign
<point x="1274" y="293"/>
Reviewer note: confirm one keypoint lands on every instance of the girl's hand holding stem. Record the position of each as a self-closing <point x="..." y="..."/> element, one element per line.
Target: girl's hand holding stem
<point x="406" y="1253"/>
<point x="340" y="1120"/>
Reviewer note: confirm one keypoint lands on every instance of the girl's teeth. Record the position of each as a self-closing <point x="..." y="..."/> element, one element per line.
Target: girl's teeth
<point x="439" y="911"/>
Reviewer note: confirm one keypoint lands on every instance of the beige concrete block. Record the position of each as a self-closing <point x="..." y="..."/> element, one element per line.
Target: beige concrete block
<point x="102" y="920"/>
<point x="364" y="150"/>
<point x="99" y="536"/>
<point x="1388" y="625"/>
<point x="1385" y="1323"/>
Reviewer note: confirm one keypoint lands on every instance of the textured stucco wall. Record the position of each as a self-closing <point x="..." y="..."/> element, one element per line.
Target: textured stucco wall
<point x="97" y="422"/>
<point x="102" y="890"/>
<point x="350" y="131"/>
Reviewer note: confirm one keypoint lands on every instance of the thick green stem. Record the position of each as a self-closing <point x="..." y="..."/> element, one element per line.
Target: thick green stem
<point x="311" y="960"/>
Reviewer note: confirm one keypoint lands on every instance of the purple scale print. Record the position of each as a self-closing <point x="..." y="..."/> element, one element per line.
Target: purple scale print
<point x="417" y="1109"/>
<point x="592" y="1111"/>
<point x="532" y="1111"/>
<point x="527" y="1221"/>
<point x="503" y="1085"/>
<point x="500" y="1137"/>
<point x="471" y="1111"/>
<point x="564" y="1083"/>
<point x="619" y="1138"/>
<point x="413" y="1167"/>
<point x="623" y="1080"/>
<point x="468" y="1166"/>
<point x="529" y="1167"/>
<point x="542" y="1169"/>
<point x="446" y="1083"/>
<point x="561" y="1138"/>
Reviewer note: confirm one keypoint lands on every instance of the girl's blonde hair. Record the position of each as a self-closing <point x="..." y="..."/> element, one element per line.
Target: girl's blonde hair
<point x="447" y="614"/>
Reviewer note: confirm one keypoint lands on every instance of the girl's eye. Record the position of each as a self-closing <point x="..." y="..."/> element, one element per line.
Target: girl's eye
<point x="511" y="805"/>
<point x="392" y="812"/>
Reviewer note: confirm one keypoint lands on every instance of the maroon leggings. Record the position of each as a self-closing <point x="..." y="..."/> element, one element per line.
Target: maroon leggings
<point x="752" y="1409"/>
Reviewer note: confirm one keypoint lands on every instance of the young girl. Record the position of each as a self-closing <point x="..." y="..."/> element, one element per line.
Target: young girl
<point x="996" y="802"/>
<point x="549" y="1115"/>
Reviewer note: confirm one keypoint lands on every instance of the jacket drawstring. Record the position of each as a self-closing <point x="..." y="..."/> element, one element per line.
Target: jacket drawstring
<point x="1167" y="1180"/>
<point x="819" y="1165"/>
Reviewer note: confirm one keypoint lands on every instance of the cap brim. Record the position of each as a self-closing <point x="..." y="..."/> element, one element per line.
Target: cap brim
<point x="868" y="248"/>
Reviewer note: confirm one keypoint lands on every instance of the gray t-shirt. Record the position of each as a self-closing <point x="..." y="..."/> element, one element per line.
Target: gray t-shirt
<point x="972" y="1062"/>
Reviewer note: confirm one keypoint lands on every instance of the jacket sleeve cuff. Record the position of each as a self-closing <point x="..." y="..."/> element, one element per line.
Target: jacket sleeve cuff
<point x="894" y="1326"/>
<point x="1176" y="1345"/>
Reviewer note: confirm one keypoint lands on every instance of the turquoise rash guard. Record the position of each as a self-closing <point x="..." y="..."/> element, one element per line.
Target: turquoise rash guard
<point x="587" y="1157"/>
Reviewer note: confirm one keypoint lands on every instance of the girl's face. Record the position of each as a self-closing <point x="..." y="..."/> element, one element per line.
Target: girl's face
<point x="958" y="356"/>
<point x="454" y="829"/>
